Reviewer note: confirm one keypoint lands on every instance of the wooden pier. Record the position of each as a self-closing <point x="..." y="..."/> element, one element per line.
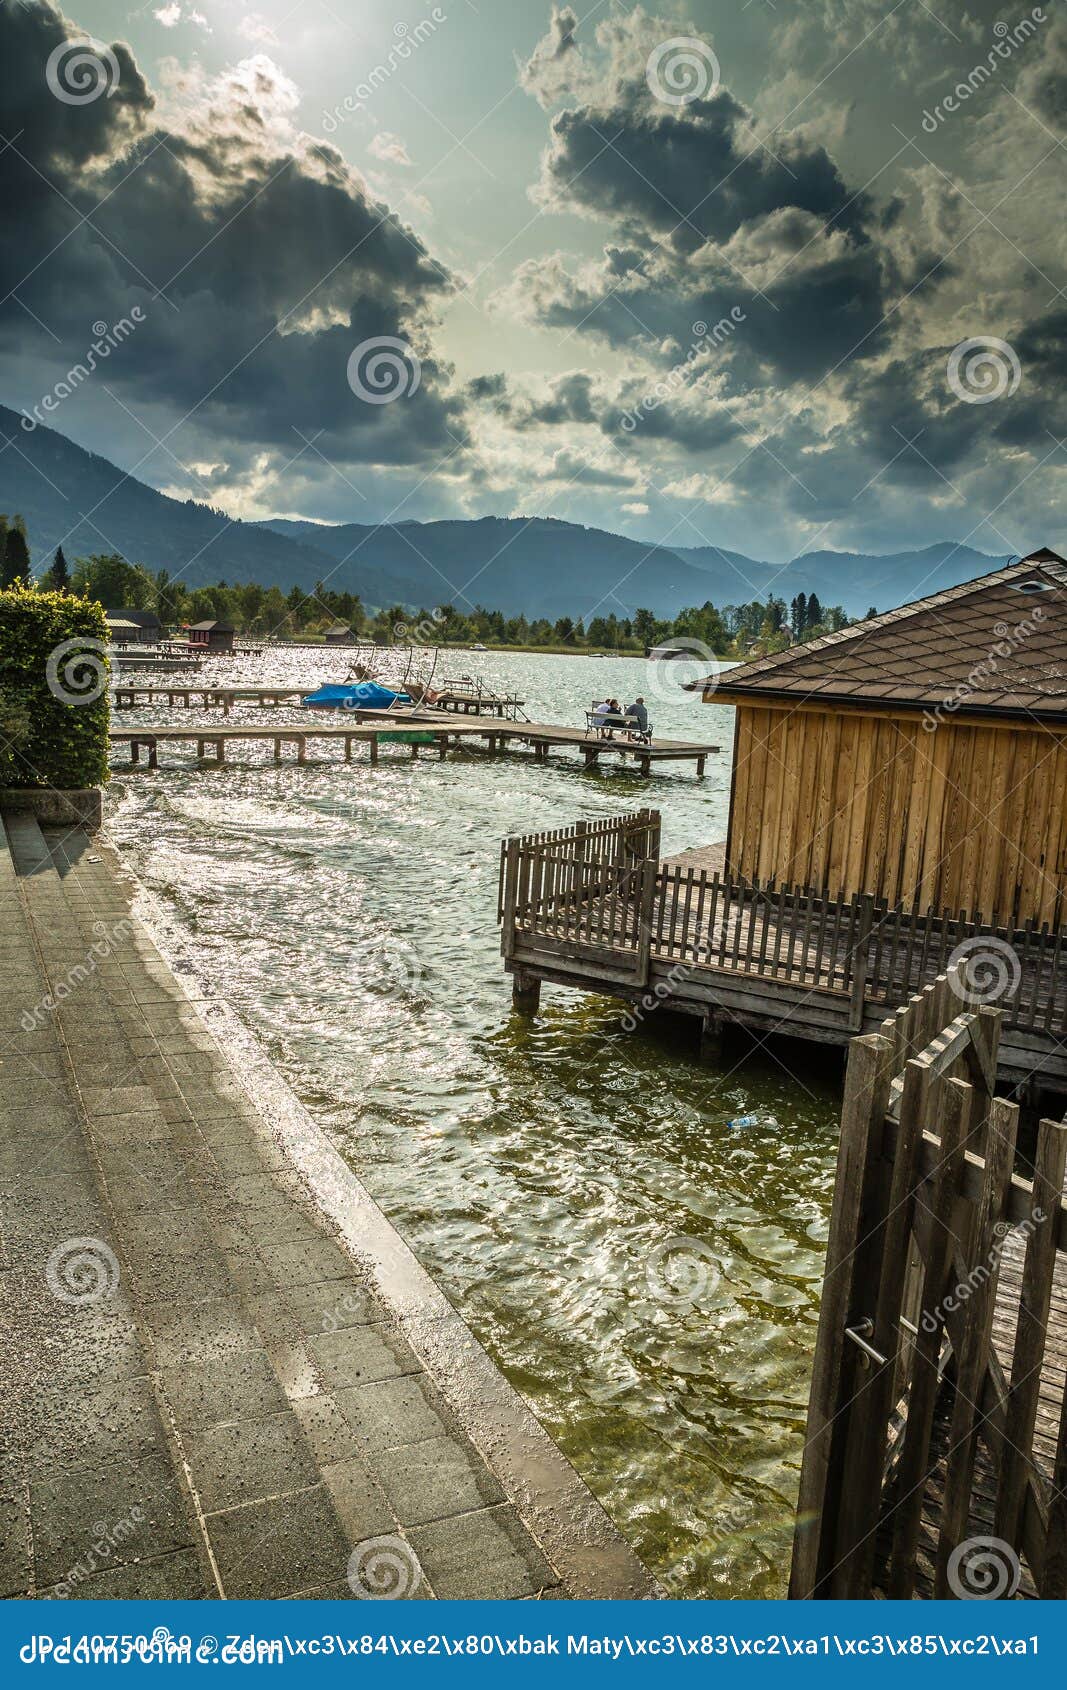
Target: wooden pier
<point x="935" y="1455"/>
<point x="593" y="907"/>
<point x="416" y="730"/>
<point x="453" y="699"/>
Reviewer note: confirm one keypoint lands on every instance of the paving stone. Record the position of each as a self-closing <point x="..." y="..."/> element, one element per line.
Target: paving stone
<point x="68" y="1510"/>
<point x="248" y="1459"/>
<point x="309" y="1263"/>
<point x="358" y="1499"/>
<point x="394" y="1411"/>
<point x="361" y="1354"/>
<point x="209" y="1393"/>
<point x="16" y="1553"/>
<point x="435" y="1478"/>
<point x="488" y="1555"/>
<point x="276" y="1548"/>
<point x="107" y="1418"/>
<point x="199" y="1332"/>
<point x="104" y="1101"/>
<point x="330" y="1437"/>
<point x="184" y="1277"/>
<point x="332" y="1305"/>
<point x="173" y="1578"/>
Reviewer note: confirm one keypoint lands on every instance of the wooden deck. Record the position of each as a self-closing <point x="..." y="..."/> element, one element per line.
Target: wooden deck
<point x="368" y="728"/>
<point x="601" y="912"/>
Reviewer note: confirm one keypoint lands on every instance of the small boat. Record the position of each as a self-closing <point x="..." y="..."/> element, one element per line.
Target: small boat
<point x="363" y="695"/>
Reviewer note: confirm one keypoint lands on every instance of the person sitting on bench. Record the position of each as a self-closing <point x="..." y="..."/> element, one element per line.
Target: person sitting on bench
<point x="638" y="716"/>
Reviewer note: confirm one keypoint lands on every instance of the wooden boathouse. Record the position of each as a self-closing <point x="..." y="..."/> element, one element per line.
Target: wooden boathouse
<point x="920" y="756"/>
<point x="897" y="806"/>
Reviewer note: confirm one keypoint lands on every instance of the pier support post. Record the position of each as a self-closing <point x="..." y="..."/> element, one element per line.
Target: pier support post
<point x="645" y="765"/>
<point x="700" y="768"/>
<point x="220" y="751"/>
<point x="525" y="992"/>
<point x="277" y="750"/>
<point x="711" y="1037"/>
<point x="348" y="748"/>
<point x="591" y="755"/>
<point x="374" y="748"/>
<point x="301" y="749"/>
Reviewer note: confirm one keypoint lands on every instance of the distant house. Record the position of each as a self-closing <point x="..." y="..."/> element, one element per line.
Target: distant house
<point x="339" y="634"/>
<point x="134" y="627"/>
<point x="920" y="756"/>
<point x="210" y="636"/>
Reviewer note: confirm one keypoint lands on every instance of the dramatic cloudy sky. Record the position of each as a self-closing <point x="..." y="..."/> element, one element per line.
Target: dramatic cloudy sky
<point x="550" y="211"/>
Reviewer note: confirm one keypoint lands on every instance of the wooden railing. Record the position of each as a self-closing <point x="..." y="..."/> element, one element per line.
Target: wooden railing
<point x="937" y="1383"/>
<point x="597" y="892"/>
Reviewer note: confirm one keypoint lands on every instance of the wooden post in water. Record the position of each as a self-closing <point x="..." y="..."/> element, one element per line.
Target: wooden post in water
<point x="525" y="992"/>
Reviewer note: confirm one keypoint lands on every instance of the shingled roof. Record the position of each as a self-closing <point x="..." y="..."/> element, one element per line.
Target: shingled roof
<point x="996" y="646"/>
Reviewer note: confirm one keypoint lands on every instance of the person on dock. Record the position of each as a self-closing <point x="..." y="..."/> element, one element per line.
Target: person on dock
<point x="637" y="715"/>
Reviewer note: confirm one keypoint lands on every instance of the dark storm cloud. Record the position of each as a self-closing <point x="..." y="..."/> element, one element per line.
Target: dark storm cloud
<point x="709" y="216"/>
<point x="272" y="259"/>
<point x="689" y="176"/>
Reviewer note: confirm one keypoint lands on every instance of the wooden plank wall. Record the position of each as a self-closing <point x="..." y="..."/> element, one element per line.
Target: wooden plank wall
<point x="968" y="816"/>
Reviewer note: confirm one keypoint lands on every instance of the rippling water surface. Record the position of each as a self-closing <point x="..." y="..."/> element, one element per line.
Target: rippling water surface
<point x="644" y="1273"/>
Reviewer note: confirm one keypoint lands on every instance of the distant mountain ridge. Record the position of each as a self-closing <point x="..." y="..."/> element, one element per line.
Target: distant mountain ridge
<point x="535" y="566"/>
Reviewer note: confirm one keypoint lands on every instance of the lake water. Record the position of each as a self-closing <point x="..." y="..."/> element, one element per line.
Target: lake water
<point x="644" y="1273"/>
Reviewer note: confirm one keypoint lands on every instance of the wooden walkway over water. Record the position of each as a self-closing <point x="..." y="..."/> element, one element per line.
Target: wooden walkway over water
<point x="418" y="730"/>
<point x="134" y="695"/>
<point x="594" y="907"/>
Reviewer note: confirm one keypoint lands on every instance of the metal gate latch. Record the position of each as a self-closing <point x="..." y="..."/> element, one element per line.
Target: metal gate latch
<point x="859" y="1333"/>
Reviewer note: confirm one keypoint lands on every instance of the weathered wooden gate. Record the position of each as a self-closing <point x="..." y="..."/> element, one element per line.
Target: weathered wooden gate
<point x="935" y="1461"/>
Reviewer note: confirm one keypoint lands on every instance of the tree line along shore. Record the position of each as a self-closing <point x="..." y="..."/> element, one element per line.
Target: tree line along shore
<point x="266" y="612"/>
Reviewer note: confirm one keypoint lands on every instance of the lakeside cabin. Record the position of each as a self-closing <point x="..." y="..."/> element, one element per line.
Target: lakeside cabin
<point x="339" y="634"/>
<point x="210" y="637"/>
<point x="920" y="756"/>
<point x="898" y="800"/>
<point x="134" y="627"/>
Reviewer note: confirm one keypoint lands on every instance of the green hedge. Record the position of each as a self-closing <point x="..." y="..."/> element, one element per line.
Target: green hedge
<point x="53" y="690"/>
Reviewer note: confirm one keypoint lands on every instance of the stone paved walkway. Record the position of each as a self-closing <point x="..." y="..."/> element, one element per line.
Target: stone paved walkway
<point x="202" y="1394"/>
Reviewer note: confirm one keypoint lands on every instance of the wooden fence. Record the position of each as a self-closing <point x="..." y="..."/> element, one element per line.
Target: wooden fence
<point x="597" y="893"/>
<point x="935" y="1461"/>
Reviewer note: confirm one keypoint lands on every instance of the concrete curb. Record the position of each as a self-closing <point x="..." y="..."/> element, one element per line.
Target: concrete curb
<point x="52" y="807"/>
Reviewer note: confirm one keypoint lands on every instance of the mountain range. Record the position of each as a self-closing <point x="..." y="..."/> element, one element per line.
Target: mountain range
<point x="537" y="566"/>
